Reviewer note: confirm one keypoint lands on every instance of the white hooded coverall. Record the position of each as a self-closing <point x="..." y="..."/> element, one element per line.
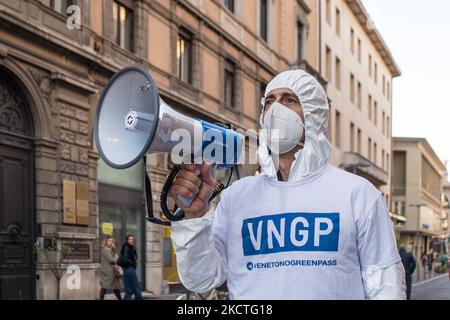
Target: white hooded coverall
<point x="323" y="234"/>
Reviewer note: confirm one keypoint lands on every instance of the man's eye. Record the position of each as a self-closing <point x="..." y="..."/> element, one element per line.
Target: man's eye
<point x="291" y="100"/>
<point x="269" y="102"/>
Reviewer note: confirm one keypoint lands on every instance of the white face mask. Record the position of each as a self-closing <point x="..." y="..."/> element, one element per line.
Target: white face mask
<point x="283" y="128"/>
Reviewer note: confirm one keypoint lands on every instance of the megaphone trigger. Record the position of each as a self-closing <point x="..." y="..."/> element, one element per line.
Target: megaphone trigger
<point x="185" y="201"/>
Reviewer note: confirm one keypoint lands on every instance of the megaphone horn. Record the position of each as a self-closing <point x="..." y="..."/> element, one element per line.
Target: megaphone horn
<point x="133" y="121"/>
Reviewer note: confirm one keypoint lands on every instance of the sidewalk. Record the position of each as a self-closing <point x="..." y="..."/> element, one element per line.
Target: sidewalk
<point x="422" y="274"/>
<point x="147" y="296"/>
<point x="176" y="291"/>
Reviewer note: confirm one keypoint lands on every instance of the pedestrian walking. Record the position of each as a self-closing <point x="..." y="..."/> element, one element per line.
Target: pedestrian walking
<point x="109" y="279"/>
<point x="128" y="261"/>
<point x="443" y="259"/>
<point x="430" y="261"/>
<point x="424" y="260"/>
<point x="409" y="263"/>
<point x="448" y="267"/>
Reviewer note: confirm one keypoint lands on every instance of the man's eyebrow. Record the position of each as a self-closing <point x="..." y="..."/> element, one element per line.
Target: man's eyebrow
<point x="288" y="94"/>
<point x="283" y="95"/>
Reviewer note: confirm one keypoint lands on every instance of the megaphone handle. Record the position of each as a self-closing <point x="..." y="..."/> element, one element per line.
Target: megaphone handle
<point x="186" y="201"/>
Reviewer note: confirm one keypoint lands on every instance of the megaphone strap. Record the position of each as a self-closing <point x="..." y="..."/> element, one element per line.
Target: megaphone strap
<point x="149" y="199"/>
<point x="177" y="215"/>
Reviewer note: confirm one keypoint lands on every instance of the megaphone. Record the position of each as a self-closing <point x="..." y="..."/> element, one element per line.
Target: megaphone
<point x="132" y="121"/>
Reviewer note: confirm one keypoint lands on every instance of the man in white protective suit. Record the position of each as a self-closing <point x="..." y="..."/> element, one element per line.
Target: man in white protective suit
<point x="303" y="229"/>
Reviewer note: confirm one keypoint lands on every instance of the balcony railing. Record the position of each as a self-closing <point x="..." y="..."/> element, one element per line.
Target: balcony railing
<point x="364" y="167"/>
<point x="399" y="190"/>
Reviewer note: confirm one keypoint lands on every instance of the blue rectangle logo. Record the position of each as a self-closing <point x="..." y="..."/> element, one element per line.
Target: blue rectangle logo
<point x="291" y="232"/>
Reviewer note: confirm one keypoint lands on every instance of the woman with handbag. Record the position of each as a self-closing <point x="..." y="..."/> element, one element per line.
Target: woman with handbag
<point x="110" y="271"/>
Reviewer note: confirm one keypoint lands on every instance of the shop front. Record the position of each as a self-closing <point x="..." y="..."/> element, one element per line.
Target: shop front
<point x="121" y="209"/>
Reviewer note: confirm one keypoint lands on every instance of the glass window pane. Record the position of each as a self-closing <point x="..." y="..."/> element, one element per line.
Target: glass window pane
<point x="128" y="30"/>
<point x="183" y="58"/>
<point x="115" y="23"/>
<point x="122" y="28"/>
<point x="186" y="62"/>
<point x="58" y="5"/>
<point x="132" y="178"/>
<point x="110" y="213"/>
<point x="299" y="41"/>
<point x="264" y="11"/>
<point x="61" y="6"/>
<point x="179" y="40"/>
<point x="229" y="84"/>
<point x="230" y="5"/>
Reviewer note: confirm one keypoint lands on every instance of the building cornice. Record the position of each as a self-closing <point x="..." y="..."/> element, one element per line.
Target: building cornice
<point x="364" y="19"/>
<point x="431" y="200"/>
<point x="44" y="33"/>
<point x="304" y="6"/>
<point x="426" y="145"/>
<point x="397" y="217"/>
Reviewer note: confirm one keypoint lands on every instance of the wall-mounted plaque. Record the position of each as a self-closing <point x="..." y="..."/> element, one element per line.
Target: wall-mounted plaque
<point x="69" y="202"/>
<point x="82" y="203"/>
<point x="76" y="251"/>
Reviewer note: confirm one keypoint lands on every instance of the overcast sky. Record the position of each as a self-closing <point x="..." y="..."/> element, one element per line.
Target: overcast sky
<point x="418" y="35"/>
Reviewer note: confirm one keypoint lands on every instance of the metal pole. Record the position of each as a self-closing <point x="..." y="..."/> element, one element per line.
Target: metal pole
<point x="418" y="228"/>
<point x="418" y="206"/>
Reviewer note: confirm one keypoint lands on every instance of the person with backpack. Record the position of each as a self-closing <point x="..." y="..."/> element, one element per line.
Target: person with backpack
<point x="409" y="263"/>
<point x="128" y="261"/>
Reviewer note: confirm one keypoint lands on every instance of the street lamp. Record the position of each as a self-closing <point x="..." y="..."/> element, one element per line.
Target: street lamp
<point x="418" y="206"/>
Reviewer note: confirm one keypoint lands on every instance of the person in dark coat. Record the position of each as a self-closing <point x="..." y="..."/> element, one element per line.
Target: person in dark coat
<point x="409" y="263"/>
<point x="128" y="261"/>
<point x="430" y="261"/>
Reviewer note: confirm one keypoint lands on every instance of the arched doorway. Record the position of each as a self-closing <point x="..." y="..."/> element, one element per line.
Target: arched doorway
<point x="17" y="212"/>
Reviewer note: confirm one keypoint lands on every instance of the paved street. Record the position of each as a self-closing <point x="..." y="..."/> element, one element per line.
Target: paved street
<point x="435" y="289"/>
